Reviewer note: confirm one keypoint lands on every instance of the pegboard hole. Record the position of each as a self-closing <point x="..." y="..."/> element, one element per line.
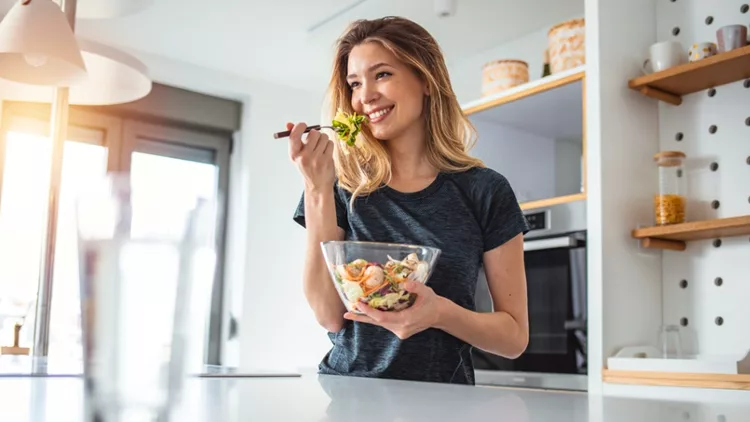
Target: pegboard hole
<point x="715" y="204"/>
<point x="683" y="284"/>
<point x="714" y="166"/>
<point x="746" y="84"/>
<point x="711" y="92"/>
<point x="747" y="121"/>
<point x="717" y="243"/>
<point x="721" y="418"/>
<point x="676" y="31"/>
<point x="709" y="20"/>
<point x="744" y="8"/>
<point x="718" y="281"/>
<point x="679" y="172"/>
<point x="678" y="137"/>
<point x="684" y="321"/>
<point x="712" y="129"/>
<point x="748" y="160"/>
<point x="719" y="321"/>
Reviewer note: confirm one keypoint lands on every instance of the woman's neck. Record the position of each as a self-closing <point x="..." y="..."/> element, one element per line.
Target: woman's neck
<point x="409" y="163"/>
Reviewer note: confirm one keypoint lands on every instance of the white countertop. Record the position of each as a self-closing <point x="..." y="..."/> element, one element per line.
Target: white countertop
<point x="319" y="398"/>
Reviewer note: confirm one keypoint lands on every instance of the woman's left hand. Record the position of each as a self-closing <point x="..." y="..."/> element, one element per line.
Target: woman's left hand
<point x="423" y="314"/>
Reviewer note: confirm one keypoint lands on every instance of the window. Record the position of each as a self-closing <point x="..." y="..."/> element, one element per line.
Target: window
<point x="193" y="161"/>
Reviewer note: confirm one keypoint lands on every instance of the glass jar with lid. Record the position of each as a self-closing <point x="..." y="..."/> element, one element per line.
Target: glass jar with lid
<point x="670" y="201"/>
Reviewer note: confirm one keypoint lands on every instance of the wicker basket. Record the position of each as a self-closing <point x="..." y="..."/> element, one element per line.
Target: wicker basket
<point x="499" y="75"/>
<point x="567" y="45"/>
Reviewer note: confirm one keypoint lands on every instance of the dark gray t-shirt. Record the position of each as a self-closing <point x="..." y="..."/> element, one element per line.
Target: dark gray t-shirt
<point x="464" y="214"/>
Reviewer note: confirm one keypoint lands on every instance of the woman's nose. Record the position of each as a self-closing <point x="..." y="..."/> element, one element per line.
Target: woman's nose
<point x="369" y="93"/>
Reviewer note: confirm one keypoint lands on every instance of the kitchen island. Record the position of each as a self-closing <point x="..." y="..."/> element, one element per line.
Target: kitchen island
<point x="318" y="398"/>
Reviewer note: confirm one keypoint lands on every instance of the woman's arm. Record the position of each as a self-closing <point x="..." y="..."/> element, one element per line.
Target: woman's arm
<point x="320" y="218"/>
<point x="504" y="332"/>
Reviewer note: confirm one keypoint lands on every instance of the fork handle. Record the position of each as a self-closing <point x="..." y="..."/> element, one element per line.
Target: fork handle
<point x="284" y="134"/>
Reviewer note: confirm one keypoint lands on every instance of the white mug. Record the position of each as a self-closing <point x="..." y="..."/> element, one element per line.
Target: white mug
<point x="664" y="55"/>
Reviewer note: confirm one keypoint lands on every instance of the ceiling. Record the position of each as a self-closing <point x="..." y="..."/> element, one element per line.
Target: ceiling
<point x="271" y="40"/>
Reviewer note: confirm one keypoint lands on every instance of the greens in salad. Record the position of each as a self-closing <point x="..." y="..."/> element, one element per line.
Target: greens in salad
<point x="348" y="126"/>
<point x="380" y="286"/>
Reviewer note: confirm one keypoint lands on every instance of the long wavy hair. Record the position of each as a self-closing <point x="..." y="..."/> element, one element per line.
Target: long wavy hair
<point x="449" y="133"/>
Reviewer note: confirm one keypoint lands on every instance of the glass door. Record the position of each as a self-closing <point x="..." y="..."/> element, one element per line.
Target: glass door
<point x="191" y="164"/>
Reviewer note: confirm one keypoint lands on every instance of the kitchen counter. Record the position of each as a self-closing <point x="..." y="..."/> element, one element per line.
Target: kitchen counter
<point x="319" y="398"/>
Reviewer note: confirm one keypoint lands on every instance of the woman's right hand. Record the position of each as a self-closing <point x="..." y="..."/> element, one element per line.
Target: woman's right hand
<point x="313" y="156"/>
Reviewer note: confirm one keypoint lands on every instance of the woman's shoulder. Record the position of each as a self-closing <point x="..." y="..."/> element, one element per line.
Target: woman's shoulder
<point x="480" y="179"/>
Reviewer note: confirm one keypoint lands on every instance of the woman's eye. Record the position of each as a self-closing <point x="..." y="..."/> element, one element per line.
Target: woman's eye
<point x="353" y="85"/>
<point x="381" y="74"/>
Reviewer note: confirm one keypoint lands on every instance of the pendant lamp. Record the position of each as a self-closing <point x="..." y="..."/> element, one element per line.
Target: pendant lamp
<point x="37" y="46"/>
<point x="114" y="77"/>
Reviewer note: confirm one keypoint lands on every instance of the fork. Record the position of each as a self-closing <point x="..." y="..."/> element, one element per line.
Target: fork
<point x="284" y="134"/>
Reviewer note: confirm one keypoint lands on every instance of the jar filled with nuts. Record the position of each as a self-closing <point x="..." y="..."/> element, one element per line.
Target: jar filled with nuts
<point x="669" y="201"/>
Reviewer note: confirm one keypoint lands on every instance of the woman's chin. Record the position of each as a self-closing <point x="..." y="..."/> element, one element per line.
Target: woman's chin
<point x="383" y="132"/>
<point x="381" y="135"/>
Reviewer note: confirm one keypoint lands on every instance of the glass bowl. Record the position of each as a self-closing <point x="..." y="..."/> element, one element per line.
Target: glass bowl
<point x="374" y="272"/>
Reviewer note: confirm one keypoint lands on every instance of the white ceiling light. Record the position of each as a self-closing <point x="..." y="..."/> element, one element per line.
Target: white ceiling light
<point x="114" y="77"/>
<point x="98" y="9"/>
<point x="37" y="46"/>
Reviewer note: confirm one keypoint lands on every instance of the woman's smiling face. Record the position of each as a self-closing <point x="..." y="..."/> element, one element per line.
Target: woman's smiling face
<point x="384" y="89"/>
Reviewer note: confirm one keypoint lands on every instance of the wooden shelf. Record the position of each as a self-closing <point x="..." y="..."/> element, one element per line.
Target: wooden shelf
<point x="677" y="379"/>
<point x="671" y="84"/>
<point x="530" y="205"/>
<point x="528" y="89"/>
<point x="675" y="236"/>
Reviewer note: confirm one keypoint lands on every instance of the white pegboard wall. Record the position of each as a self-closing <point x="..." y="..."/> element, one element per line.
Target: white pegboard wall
<point x="706" y="288"/>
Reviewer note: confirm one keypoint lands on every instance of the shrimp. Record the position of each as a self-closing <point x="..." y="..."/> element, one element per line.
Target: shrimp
<point x="374" y="276"/>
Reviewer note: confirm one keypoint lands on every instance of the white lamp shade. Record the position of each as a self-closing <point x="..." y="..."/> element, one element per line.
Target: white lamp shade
<point x="37" y="46"/>
<point x="98" y="9"/>
<point x="114" y="77"/>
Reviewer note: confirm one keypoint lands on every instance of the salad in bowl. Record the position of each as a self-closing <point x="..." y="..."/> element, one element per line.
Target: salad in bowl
<point x="374" y="273"/>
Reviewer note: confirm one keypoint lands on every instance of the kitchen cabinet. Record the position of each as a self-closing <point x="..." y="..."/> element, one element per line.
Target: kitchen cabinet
<point x="534" y="135"/>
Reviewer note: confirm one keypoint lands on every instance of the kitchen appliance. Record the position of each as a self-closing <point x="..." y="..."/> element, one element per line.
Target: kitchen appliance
<point x="555" y="261"/>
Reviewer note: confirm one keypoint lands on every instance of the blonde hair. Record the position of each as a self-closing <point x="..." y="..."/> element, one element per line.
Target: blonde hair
<point x="449" y="133"/>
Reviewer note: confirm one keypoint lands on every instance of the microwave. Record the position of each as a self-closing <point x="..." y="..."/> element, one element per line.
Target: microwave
<point x="556" y="270"/>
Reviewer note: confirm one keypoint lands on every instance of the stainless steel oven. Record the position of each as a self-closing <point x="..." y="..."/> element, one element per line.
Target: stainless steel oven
<point x="555" y="259"/>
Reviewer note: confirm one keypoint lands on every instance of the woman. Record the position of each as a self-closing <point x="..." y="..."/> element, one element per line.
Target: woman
<point x="409" y="180"/>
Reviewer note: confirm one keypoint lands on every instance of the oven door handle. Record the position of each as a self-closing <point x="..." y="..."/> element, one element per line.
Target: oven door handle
<point x="550" y="243"/>
<point x="576" y="324"/>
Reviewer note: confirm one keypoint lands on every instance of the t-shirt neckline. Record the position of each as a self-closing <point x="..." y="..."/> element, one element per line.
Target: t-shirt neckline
<point x="428" y="190"/>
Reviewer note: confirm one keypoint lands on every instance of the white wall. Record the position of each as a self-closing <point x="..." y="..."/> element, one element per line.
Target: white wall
<point x="568" y="169"/>
<point x="263" y="264"/>
<point x="526" y="160"/>
<point x="466" y="75"/>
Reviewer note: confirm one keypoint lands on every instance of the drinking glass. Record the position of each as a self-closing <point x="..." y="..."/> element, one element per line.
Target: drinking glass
<point x="142" y="249"/>
<point x="670" y="342"/>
